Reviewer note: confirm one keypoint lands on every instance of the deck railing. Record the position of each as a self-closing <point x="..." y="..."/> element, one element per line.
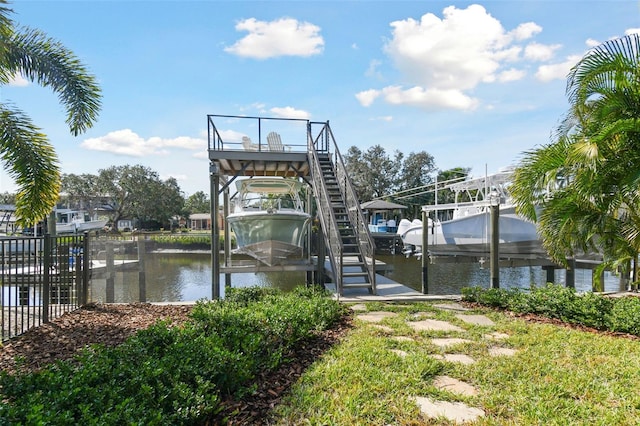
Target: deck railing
<point x="291" y="133"/>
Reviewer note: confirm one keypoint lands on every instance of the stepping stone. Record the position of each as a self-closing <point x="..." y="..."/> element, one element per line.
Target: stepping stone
<point x="458" y="358"/>
<point x="434" y="325"/>
<point x="419" y="315"/>
<point x="383" y="328"/>
<point x="398" y="352"/>
<point x="376" y="316"/>
<point x="359" y="307"/>
<point x="449" y="341"/>
<point x="496" y="336"/>
<point x="450" y="384"/>
<point x="451" y="307"/>
<point x="475" y="319"/>
<point x="496" y="351"/>
<point x="452" y="411"/>
<point x="403" y="338"/>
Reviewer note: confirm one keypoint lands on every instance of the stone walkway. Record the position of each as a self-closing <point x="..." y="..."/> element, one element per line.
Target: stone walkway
<point x="456" y="412"/>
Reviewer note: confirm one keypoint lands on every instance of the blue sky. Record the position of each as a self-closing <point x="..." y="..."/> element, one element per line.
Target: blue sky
<point x="475" y="84"/>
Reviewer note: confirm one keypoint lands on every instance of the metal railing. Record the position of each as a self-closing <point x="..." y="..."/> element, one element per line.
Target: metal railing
<point x="257" y="129"/>
<point x="41" y="278"/>
<point x="323" y="143"/>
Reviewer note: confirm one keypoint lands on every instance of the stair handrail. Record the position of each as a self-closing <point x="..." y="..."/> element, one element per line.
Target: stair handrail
<point x="327" y="217"/>
<point x="363" y="236"/>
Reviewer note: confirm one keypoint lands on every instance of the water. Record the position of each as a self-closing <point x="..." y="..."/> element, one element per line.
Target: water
<point x="175" y="277"/>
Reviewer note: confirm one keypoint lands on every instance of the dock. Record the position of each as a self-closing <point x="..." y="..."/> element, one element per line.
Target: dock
<point x="387" y="290"/>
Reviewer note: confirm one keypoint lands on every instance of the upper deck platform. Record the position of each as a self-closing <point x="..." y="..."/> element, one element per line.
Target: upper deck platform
<point x="258" y="146"/>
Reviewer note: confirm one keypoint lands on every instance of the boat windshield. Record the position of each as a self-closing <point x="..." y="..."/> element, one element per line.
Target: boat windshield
<point x="253" y="201"/>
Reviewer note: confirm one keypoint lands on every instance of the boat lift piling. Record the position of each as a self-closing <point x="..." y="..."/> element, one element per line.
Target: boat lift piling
<point x="494" y="202"/>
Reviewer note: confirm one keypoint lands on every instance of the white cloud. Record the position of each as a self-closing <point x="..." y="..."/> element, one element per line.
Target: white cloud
<point x="290" y="112"/>
<point x="201" y="155"/>
<point x="126" y="142"/>
<point x="429" y="98"/>
<point x="632" y="31"/>
<point x="17" y="80"/>
<point x="442" y="59"/>
<point x="382" y="118"/>
<point x="511" y="75"/>
<point x="592" y="42"/>
<point x="526" y="31"/>
<point x="367" y="97"/>
<point x="540" y="52"/>
<point x="557" y="71"/>
<point x="282" y="37"/>
<point x="372" y="71"/>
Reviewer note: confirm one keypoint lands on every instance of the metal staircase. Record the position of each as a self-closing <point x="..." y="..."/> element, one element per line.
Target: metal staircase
<point x="346" y="234"/>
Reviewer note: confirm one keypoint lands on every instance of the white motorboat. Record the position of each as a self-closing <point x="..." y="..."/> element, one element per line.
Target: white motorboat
<point x="75" y="221"/>
<point x="466" y="224"/>
<point x="269" y="221"/>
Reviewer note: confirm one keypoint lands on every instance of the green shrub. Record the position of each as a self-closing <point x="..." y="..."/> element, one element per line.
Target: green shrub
<point x="555" y="301"/>
<point x="624" y="315"/>
<point x="171" y="375"/>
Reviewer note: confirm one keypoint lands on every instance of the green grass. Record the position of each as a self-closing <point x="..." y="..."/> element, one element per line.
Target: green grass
<point x="559" y="376"/>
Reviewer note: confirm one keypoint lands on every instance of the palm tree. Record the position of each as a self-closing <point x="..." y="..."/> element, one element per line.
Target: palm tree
<point x="587" y="181"/>
<point x="26" y="152"/>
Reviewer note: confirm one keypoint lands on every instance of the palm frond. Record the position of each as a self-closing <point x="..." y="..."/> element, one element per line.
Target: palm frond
<point x="50" y="64"/>
<point x="32" y="162"/>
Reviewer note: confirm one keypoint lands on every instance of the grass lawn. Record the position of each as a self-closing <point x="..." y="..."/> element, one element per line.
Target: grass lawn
<point x="557" y="376"/>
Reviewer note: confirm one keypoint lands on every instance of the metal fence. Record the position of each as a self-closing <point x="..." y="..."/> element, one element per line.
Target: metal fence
<point x="41" y="279"/>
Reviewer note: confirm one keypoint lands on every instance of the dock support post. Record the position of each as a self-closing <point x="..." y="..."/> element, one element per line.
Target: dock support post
<point x="495" y="240"/>
<point x="142" y="278"/>
<point x="425" y="254"/>
<point x="110" y="291"/>
<point x="227" y="237"/>
<point x="86" y="268"/>
<point x="214" y="182"/>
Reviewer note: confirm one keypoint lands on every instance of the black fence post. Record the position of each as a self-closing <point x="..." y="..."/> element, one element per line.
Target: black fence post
<point x="86" y="265"/>
<point x="46" y="278"/>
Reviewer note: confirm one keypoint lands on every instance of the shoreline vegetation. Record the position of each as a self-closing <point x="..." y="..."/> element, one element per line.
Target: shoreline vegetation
<point x="212" y="369"/>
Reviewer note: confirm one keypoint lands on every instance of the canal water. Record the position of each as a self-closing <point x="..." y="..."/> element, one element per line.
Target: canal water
<point x="176" y="277"/>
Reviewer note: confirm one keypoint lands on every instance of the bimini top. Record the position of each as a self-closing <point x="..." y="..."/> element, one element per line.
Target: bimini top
<point x="269" y="185"/>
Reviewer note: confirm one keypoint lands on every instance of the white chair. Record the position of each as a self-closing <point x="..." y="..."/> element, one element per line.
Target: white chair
<point x="248" y="145"/>
<point x="275" y="143"/>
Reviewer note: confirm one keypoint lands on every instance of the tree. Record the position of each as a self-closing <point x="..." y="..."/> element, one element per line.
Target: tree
<point x="136" y="192"/>
<point x="372" y="172"/>
<point x="27" y="154"/>
<point x="198" y="202"/>
<point x="585" y="183"/>
<point x="79" y="191"/>
<point x="417" y="170"/>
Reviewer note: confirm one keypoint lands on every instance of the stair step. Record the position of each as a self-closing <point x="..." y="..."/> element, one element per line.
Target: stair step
<point x="357" y="285"/>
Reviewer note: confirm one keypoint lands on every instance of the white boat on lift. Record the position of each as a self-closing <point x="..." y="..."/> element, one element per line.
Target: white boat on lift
<point x="76" y="221"/>
<point x="466" y="225"/>
<point x="269" y="220"/>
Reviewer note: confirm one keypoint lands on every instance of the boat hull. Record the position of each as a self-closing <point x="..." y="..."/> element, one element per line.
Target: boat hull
<point x="472" y="230"/>
<point x="271" y="238"/>
<point x="75" y="227"/>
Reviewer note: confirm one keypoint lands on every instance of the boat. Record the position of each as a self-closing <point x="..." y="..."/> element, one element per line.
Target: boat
<point x="465" y="225"/>
<point x="75" y="221"/>
<point x="268" y="219"/>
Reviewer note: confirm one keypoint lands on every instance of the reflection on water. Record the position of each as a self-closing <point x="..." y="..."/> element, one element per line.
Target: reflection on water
<point x="187" y="277"/>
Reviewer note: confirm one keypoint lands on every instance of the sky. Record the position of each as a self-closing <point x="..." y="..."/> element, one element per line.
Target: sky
<point x="474" y="84"/>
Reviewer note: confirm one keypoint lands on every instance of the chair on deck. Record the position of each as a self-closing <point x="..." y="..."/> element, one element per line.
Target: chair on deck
<point x="248" y="145"/>
<point x="275" y="143"/>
